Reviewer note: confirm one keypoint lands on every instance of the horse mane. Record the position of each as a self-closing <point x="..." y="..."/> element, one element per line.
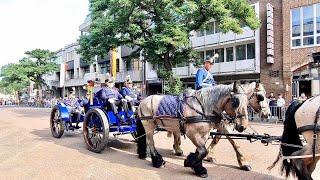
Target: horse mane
<point x="210" y="96"/>
<point x="250" y="87"/>
<point x="290" y="136"/>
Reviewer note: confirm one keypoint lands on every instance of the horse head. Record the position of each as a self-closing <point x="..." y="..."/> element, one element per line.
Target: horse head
<point x="258" y="100"/>
<point x="237" y="106"/>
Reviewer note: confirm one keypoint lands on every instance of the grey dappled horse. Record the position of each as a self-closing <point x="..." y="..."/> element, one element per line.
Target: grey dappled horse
<point x="200" y="110"/>
<point x="300" y="159"/>
<point x="258" y="102"/>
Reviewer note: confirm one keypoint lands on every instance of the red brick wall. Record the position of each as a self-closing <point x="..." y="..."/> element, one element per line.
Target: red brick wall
<point x="293" y="58"/>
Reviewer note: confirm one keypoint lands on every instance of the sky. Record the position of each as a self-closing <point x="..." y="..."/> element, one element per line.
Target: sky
<point x="44" y="24"/>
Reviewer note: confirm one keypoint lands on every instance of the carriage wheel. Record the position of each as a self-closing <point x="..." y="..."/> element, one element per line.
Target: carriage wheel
<point x="56" y="124"/>
<point x="96" y="130"/>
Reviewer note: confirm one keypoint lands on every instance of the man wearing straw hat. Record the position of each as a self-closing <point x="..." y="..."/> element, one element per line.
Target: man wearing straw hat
<point x="203" y="77"/>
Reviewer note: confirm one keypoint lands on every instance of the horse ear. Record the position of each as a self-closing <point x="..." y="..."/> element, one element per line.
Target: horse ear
<point x="235" y="87"/>
<point x="257" y="85"/>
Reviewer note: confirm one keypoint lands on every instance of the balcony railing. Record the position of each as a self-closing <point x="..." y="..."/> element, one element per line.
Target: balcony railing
<point x="136" y="75"/>
<point x="219" y="38"/>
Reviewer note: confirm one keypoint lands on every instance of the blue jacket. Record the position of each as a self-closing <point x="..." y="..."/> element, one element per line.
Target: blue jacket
<point x="106" y="93"/>
<point x="130" y="92"/>
<point x="204" y="79"/>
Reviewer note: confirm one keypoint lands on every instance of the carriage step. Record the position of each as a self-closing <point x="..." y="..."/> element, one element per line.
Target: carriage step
<point x="123" y="129"/>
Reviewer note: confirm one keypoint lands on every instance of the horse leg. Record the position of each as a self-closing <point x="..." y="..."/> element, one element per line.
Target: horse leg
<point x="157" y="160"/>
<point x="302" y="165"/>
<point x="211" y="149"/>
<point x="243" y="163"/>
<point x="194" y="160"/>
<point x="177" y="142"/>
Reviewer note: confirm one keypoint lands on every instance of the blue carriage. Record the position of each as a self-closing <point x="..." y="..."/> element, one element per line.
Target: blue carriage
<point x="98" y="121"/>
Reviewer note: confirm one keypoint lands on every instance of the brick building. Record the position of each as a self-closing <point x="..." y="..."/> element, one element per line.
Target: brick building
<point x="279" y="53"/>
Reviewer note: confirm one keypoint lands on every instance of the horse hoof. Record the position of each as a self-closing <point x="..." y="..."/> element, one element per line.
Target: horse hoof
<point x="200" y="171"/>
<point x="189" y="162"/>
<point x="142" y="156"/>
<point x="246" y="168"/>
<point x="157" y="161"/>
<point x="179" y="154"/>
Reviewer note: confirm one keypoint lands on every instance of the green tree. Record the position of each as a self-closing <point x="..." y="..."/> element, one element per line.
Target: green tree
<point x="13" y="81"/>
<point x="160" y="28"/>
<point x="38" y="63"/>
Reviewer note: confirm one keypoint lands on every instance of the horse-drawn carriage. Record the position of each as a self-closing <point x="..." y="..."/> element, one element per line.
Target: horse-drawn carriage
<point x="98" y="121"/>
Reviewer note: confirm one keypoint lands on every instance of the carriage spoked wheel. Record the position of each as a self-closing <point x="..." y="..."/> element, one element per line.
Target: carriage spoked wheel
<point x="56" y="124"/>
<point x="96" y="130"/>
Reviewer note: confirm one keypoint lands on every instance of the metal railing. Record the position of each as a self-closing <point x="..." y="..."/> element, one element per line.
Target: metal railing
<point x="277" y="115"/>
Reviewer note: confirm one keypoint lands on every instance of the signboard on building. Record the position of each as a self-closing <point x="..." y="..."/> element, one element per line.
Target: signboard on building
<point x="270" y="35"/>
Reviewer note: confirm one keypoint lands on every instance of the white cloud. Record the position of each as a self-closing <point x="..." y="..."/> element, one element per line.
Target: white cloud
<point x="45" y="24"/>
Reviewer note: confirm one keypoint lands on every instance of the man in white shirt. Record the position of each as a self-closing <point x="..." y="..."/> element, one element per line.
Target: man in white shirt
<point x="280" y="106"/>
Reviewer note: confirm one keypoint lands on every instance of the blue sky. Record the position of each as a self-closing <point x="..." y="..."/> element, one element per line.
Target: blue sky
<point x="30" y="24"/>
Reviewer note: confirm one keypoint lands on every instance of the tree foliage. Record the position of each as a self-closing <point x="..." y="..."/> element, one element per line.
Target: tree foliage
<point x="17" y="76"/>
<point x="13" y="80"/>
<point x="38" y="63"/>
<point x="161" y="28"/>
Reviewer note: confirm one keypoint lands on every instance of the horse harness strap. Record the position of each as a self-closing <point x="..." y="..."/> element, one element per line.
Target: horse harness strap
<point x="315" y="128"/>
<point x="216" y="118"/>
<point x="308" y="128"/>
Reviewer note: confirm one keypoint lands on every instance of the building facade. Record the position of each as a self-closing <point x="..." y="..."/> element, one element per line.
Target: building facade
<point x="278" y="54"/>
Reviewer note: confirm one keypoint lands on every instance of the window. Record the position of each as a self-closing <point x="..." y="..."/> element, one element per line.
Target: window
<point x="318" y="17"/>
<point x="137" y="65"/>
<point x="210" y="28"/>
<point x="250" y="51"/>
<point x="229" y="52"/>
<point x="305" y="26"/>
<point x="94" y="68"/>
<point x="117" y="65"/>
<point x="307" y="20"/>
<point x="129" y="64"/>
<point x="295" y="16"/>
<point x="221" y="55"/>
<point x="217" y="30"/>
<point x="200" y="33"/>
<point x="209" y="53"/>
<point x="86" y="69"/>
<point x="200" y="57"/>
<point x="71" y="74"/>
<point x="104" y="68"/>
<point x="241" y="52"/>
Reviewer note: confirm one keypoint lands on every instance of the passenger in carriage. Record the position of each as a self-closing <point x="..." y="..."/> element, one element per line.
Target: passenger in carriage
<point x="130" y="94"/>
<point x="110" y="94"/>
<point x="203" y="77"/>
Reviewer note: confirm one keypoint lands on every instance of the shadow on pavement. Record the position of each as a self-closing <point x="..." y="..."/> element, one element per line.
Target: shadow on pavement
<point x="123" y="152"/>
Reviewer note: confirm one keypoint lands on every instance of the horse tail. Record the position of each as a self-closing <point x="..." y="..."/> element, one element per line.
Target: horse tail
<point x="142" y="140"/>
<point x="290" y="136"/>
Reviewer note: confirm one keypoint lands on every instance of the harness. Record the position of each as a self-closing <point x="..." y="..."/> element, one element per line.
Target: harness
<point x="315" y="128"/>
<point x="215" y="118"/>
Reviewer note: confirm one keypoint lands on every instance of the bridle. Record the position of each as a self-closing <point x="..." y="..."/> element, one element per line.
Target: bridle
<point x="255" y="94"/>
